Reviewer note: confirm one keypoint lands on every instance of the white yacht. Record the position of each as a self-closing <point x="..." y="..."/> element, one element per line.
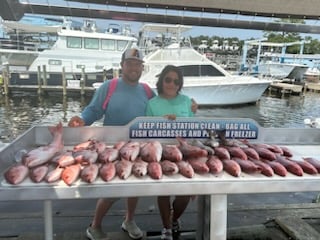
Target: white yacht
<point x="205" y="81"/>
<point x="21" y="41"/>
<point x="77" y="51"/>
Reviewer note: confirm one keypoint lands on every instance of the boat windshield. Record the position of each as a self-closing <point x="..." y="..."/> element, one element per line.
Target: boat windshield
<point x="200" y="70"/>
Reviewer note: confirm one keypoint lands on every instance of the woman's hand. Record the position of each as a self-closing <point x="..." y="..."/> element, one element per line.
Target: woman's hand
<point x="171" y="116"/>
<point x="76" y="121"/>
<point x="194" y="106"/>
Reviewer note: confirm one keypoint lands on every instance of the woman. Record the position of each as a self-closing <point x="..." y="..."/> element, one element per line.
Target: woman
<point x="170" y="103"/>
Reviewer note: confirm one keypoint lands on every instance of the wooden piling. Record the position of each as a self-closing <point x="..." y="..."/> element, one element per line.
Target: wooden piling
<point x="5" y="78"/>
<point x="39" y="81"/>
<point x="104" y="75"/>
<point x="115" y="73"/>
<point x="82" y="81"/>
<point x="45" y="82"/>
<point x="1" y="84"/>
<point x="305" y="87"/>
<point x="64" y="82"/>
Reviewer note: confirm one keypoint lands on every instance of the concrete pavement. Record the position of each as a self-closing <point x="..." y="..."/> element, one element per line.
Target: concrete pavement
<point x="20" y="218"/>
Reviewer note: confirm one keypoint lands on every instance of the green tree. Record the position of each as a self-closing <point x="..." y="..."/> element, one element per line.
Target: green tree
<point x="311" y="46"/>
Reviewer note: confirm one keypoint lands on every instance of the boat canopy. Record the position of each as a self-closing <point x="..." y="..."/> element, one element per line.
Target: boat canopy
<point x="165" y="28"/>
<point x="30" y="28"/>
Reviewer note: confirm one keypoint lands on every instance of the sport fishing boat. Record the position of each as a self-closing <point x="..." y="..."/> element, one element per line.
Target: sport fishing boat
<point x="282" y="71"/>
<point x="204" y="80"/>
<point x="78" y="51"/>
<point x="272" y="60"/>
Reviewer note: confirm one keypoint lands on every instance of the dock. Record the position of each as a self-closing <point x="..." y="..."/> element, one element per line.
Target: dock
<point x="52" y="90"/>
<point x="314" y="87"/>
<point x="67" y="87"/>
<point x="286" y="88"/>
<point x="262" y="221"/>
<point x="294" y="89"/>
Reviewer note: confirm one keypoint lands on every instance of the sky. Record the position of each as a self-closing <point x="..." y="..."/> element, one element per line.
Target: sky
<point x="242" y="34"/>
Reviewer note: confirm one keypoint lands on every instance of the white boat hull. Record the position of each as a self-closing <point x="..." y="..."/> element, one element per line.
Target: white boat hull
<point x="283" y="70"/>
<point x="225" y="94"/>
<point x="214" y="87"/>
<point x="17" y="57"/>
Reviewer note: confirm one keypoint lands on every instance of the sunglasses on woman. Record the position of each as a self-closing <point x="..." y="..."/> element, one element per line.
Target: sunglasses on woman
<point x="170" y="80"/>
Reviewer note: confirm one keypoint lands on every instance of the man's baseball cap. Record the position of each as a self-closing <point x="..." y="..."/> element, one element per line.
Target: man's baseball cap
<point x="132" y="53"/>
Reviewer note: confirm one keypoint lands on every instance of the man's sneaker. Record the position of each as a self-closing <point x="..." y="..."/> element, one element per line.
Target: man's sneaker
<point x="95" y="234"/>
<point x="132" y="229"/>
<point x="166" y="234"/>
<point x="175" y="226"/>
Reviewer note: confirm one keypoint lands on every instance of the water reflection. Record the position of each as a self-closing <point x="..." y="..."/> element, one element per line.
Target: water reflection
<point x="19" y="113"/>
<point x="272" y="111"/>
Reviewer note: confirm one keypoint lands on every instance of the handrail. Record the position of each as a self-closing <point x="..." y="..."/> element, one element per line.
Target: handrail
<point x="20" y="45"/>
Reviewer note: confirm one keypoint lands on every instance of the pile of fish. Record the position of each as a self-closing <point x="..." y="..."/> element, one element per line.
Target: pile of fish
<point x="94" y="159"/>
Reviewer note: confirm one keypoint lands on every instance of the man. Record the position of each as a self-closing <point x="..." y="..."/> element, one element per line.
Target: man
<point x="127" y="102"/>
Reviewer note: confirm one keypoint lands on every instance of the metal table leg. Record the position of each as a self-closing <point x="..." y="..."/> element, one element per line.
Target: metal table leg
<point x="200" y="217"/>
<point x="218" y="217"/>
<point x="47" y="210"/>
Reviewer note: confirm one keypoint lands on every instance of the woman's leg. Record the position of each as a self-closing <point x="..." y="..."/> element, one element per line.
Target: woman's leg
<point x="165" y="211"/>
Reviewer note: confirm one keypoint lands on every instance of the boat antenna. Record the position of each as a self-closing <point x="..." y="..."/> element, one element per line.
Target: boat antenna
<point x="89" y="10"/>
<point x="166" y="13"/>
<point x="69" y="9"/>
<point x="182" y="15"/>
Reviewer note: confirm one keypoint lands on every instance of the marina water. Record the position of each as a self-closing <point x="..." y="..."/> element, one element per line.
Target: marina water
<point x="19" y="113"/>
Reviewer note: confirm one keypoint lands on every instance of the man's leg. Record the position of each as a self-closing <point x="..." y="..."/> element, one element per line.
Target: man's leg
<point x="131" y="208"/>
<point x="94" y="232"/>
<point x="102" y="207"/>
<point x="129" y="224"/>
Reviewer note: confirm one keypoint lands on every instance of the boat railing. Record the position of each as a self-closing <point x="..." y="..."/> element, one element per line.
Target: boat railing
<point x="149" y="41"/>
<point x="21" y="45"/>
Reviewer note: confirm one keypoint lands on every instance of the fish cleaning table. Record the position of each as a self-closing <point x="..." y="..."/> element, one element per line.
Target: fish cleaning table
<point x="212" y="215"/>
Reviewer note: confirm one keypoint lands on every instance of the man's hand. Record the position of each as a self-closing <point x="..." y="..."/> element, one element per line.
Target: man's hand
<point x="76" y="121"/>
